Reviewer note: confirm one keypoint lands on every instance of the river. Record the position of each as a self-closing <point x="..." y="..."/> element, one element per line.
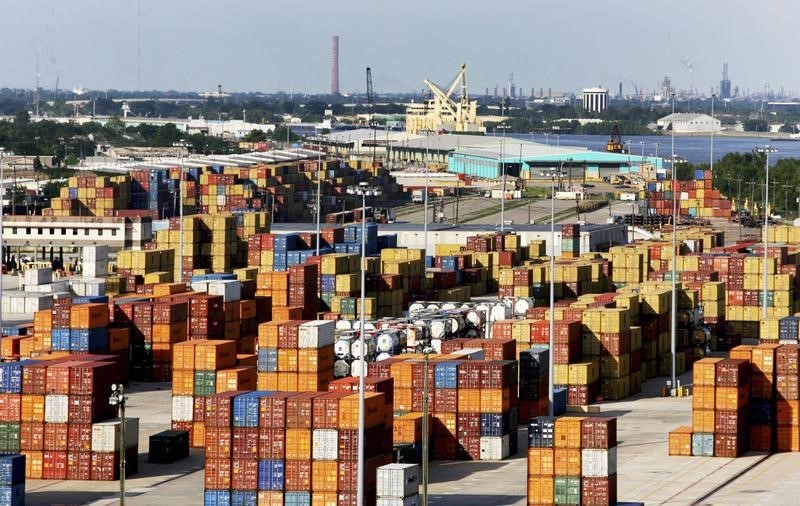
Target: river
<point x="695" y="149"/>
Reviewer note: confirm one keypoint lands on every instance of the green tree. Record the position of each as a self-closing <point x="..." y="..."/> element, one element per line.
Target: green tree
<point x="37" y="164"/>
<point x="256" y="136"/>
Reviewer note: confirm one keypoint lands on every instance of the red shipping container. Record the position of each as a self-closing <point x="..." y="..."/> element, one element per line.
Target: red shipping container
<point x="80" y="438"/>
<point x="56" y="437"/>
<point x="244" y="474"/>
<point x="31" y="436"/>
<point x="272" y="410"/>
<point x="297" y="475"/>
<point x="271" y="444"/>
<point x="299" y="410"/>
<point x="730" y="422"/>
<point x="218" y="474"/>
<point x="445" y="401"/>
<point x="79" y="465"/>
<point x="58" y="378"/>
<point x="245" y="443"/>
<point x="469" y="448"/>
<point x="444" y="447"/>
<point x="733" y="373"/>
<point x="468" y="425"/>
<point x="599" y="432"/>
<point x="599" y="491"/>
<point x="219" y="409"/>
<point x="54" y="465"/>
<point x="326" y="410"/>
<point x="91" y="378"/>
<point x="218" y="442"/>
<point x="729" y="445"/>
<point x="10" y="407"/>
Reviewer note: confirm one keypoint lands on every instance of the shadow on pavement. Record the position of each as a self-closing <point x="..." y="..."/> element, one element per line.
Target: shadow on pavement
<point x="64" y="497"/>
<point x="472" y="499"/>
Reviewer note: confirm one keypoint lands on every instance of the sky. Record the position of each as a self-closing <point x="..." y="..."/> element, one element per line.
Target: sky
<point x="270" y="46"/>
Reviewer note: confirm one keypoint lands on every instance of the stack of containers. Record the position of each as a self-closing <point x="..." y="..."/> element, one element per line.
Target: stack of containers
<point x="570" y="241"/>
<point x="303" y="288"/>
<point x="406" y="262"/>
<point x="763" y="408"/>
<point x="787" y="374"/>
<point x="572" y="460"/>
<point x="12" y="480"/>
<point x="398" y="485"/>
<point x="202" y="368"/>
<point x="295" y="355"/>
<point x="291" y="448"/>
<point x="696" y="198"/>
<point x="95" y="261"/>
<point x="533" y="382"/>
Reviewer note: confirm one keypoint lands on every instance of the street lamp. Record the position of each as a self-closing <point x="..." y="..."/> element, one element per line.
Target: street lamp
<point x="425" y="411"/>
<point x="118" y="398"/>
<point x="319" y="190"/>
<point x="181" y="145"/>
<point x="427" y="182"/>
<point x="553" y="174"/>
<point x="673" y="331"/>
<point x="765" y="150"/>
<point x="503" y="175"/>
<point x="711" y="165"/>
<point x="363" y="189"/>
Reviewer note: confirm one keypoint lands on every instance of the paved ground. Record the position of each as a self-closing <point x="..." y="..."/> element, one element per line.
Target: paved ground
<point x="645" y="474"/>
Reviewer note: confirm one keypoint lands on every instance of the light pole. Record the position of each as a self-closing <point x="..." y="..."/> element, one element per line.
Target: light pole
<point x="182" y="145"/>
<point x="362" y="189"/>
<point x="2" y="249"/>
<point x="711" y="165"/>
<point x="765" y="150"/>
<point x="503" y="184"/>
<point x="425" y="228"/>
<point x="319" y="189"/>
<point x="674" y="300"/>
<point x="551" y="359"/>
<point x="425" y="411"/>
<point x="118" y="398"/>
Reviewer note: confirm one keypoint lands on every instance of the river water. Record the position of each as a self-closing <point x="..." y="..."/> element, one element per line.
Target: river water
<point x="694" y="149"/>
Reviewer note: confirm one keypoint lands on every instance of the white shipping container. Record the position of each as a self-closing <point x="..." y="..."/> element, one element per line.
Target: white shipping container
<point x="495" y="448"/>
<point x="95" y="269"/>
<point x="412" y="500"/>
<point x="36" y="277"/>
<point x="182" y="408"/>
<point x="470" y="354"/>
<point x="231" y="290"/>
<point x="398" y="480"/>
<point x="37" y="302"/>
<point x="598" y="463"/>
<point x="57" y="286"/>
<point x="316" y="334"/>
<point x="94" y="253"/>
<point x="199" y="286"/>
<point x="105" y="435"/>
<point x="56" y="408"/>
<point x="325" y="444"/>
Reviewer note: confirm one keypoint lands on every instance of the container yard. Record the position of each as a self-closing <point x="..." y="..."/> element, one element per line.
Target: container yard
<point x="241" y="350"/>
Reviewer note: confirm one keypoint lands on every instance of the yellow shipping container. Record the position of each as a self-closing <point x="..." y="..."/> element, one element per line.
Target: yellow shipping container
<point x="584" y="373"/>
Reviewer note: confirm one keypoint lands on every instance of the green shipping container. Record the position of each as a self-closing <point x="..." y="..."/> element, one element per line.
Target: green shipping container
<point x="9" y="437"/>
<point x="205" y="383"/>
<point x="567" y="491"/>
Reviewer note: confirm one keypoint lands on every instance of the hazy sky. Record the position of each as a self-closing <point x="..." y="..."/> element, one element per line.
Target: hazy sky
<point x="270" y="45"/>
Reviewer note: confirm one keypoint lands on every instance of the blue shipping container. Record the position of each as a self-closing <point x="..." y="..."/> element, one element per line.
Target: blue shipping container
<point x="12" y="470"/>
<point x="446" y="375"/>
<point x="59" y="339"/>
<point x="10" y="377"/>
<point x="12" y="495"/>
<point x="88" y="339"/>
<point x="495" y="424"/>
<point x="541" y="430"/>
<point x="271" y="474"/>
<point x="217" y="498"/>
<point x="702" y="444"/>
<point x="245" y="409"/>
<point x="244" y="498"/>
<point x="267" y="360"/>
<point x="297" y="499"/>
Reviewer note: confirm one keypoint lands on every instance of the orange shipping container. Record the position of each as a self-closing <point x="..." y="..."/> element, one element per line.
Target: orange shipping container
<point x="403" y="398"/>
<point x="541" y="462"/>
<point x="469" y="400"/>
<point x="788" y="412"/>
<point x="34" y="462"/>
<point x="270" y="498"/>
<point x="32" y="408"/>
<point x="198" y="435"/>
<point x="183" y="355"/>
<point x="703" y="397"/>
<point x="567" y="461"/>
<point x="402" y="374"/>
<point x="163" y="289"/>
<point x="313" y="381"/>
<point x="324" y="476"/>
<point x="703" y="420"/>
<point x="680" y="441"/>
<point x="742" y="352"/>
<point x="283" y="312"/>
<point x="407" y="428"/>
<point x="268" y="381"/>
<point x="704" y="372"/>
<point x="89" y="316"/>
<point x="247" y="359"/>
<point x="314" y="359"/>
<point x="444" y="423"/>
<point x="214" y="355"/>
<point x="170" y="332"/>
<point x="182" y="382"/>
<point x="730" y="398"/>
<point x="237" y="378"/>
<point x="298" y="444"/>
<point x="788" y="439"/>
<point x="374" y="410"/>
<point x="268" y="334"/>
<point x="287" y="382"/>
<point x="568" y="432"/>
<point x="247" y="309"/>
<point x="495" y="400"/>
<point x="43" y="321"/>
<point x="287" y="360"/>
<point x="540" y="490"/>
<point x="119" y="339"/>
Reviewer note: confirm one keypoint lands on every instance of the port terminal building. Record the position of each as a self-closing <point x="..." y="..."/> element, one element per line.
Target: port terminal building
<point x="490" y="156"/>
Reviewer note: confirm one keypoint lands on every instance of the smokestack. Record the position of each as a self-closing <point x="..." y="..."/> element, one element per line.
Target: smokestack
<point x="335" y="66"/>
